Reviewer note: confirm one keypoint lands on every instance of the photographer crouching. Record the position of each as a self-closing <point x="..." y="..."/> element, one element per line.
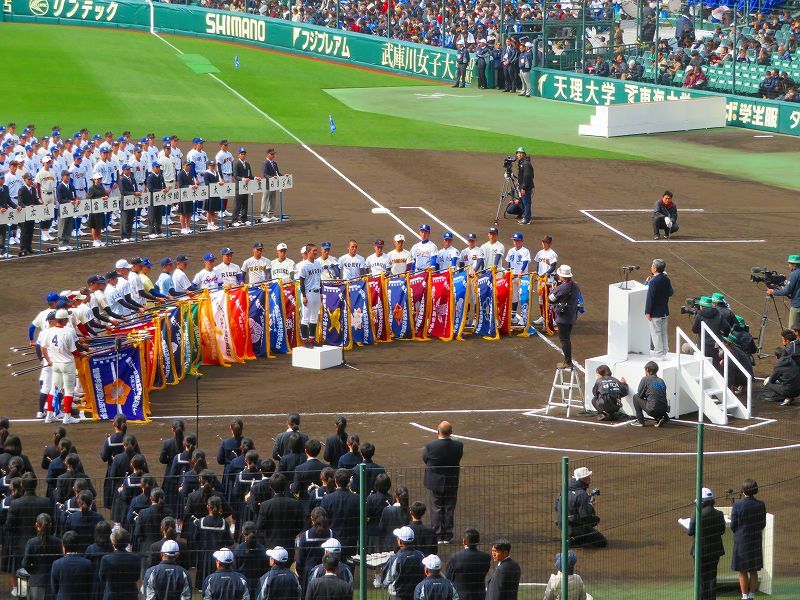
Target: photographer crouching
<point x="792" y="290"/>
<point x="581" y="516"/>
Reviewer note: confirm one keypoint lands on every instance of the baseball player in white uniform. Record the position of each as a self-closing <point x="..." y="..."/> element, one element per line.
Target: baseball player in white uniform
<point x="283" y="268"/>
<point x="379" y="263"/>
<point x="46" y="375"/>
<point x="546" y="261"/>
<point x="224" y="161"/>
<point x="60" y="349"/>
<point x="257" y="268"/>
<point x="330" y="265"/>
<point x="208" y="278"/>
<point x="424" y="251"/>
<point x="518" y="259"/>
<point x="471" y="257"/>
<point x="352" y="264"/>
<point x="229" y="272"/>
<point x="492" y="250"/>
<point x="448" y="256"/>
<point x="310" y="275"/>
<point x="180" y="280"/>
<point x="400" y="258"/>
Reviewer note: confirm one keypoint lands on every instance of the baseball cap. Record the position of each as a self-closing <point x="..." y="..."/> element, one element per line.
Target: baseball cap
<point x="447" y="235"/>
<point x="115" y="143"/>
<point x="28" y="147"/>
<point x="92" y="279"/>
<point x="704" y="301"/>
<point x="517" y="235"/>
<point x="105" y="148"/>
<point x="143" y="140"/>
<point x="165" y="138"/>
<point x="170" y="548"/>
<point x="707" y="494"/>
<point x="528" y="45"/>
<point x="209" y="256"/>
<point x="51" y="315"/>
<point x="281" y="246"/>
<point x="521" y="149"/>
<point x="279" y="554"/>
<point x="492" y="229"/>
<point x="27" y="176"/>
<point x="325" y="245"/>
<point x="47" y="158"/>
<point x="52" y="297"/>
<point x="548" y="239"/>
<point x="717" y="297"/>
<point x="166" y="261"/>
<point x="472" y="236"/>
<point x="424" y="227"/>
<point x="62" y="313"/>
<point x="96" y="136"/>
<point x="223" y="142"/>
<point x="581" y="473"/>
<point x="432" y="562"/>
<point x="156" y="164"/>
<point x="378" y="243"/>
<point x="224" y="555"/>
<point x="304" y="249"/>
<point x="259" y="245"/>
<point x="77" y="154"/>
<point x="399" y="238"/>
<point x="101" y="279"/>
<point x="270" y="151"/>
<point x="332" y="545"/>
<point x="242" y="150"/>
<point x="225" y="251"/>
<point x="181" y="258"/>
<point x="123" y="264"/>
<point x="125" y="167"/>
<point x="112" y="275"/>
<point x="62" y="303"/>
<point x="404" y="534"/>
<point x="136" y="261"/>
<point x="793" y="259"/>
<point x="166" y="146"/>
<point x="198" y="140"/>
<point x="146" y="262"/>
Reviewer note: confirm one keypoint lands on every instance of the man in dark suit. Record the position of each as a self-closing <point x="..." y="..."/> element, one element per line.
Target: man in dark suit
<point x="127" y="187"/>
<point x="467" y="569"/>
<point x="504" y="584"/>
<point x="281" y="445"/>
<point x="155" y="183"/>
<point x="329" y="586"/>
<point x="442" y="459"/>
<point x="22" y="513"/>
<point x="72" y="573"/>
<point x="656" y="307"/>
<point x="343" y="508"/>
<point x="119" y="571"/>
<point x="241" y="172"/>
<point x="280" y="518"/>
<point x="510" y="64"/>
<point x="27" y="197"/>
<point x="307" y="473"/>
<point x="712" y="528"/>
<point x="268" y="197"/>
<point x="65" y="193"/>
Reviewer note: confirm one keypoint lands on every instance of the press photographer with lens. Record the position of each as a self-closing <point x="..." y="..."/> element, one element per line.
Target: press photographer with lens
<point x="791" y="289"/>
<point x="581" y="516"/>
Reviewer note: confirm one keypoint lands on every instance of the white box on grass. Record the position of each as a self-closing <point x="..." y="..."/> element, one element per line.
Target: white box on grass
<point x="320" y="358"/>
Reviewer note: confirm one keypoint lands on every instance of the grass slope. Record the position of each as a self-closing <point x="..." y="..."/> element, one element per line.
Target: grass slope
<point x="129" y="80"/>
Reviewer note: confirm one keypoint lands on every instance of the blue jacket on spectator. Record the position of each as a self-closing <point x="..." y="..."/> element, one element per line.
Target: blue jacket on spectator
<point x="279" y="583"/>
<point x="435" y="587"/>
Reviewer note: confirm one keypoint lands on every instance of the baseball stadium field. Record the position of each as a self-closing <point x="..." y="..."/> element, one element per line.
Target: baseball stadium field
<point x="431" y="154"/>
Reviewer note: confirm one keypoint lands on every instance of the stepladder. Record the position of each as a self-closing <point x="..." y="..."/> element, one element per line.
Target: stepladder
<point x="566" y="391"/>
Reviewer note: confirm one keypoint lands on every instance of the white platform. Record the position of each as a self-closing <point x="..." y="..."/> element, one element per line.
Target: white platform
<point x="632" y="369"/>
<point x="320" y="358"/>
<point x="628" y="330"/>
<point x="656" y="117"/>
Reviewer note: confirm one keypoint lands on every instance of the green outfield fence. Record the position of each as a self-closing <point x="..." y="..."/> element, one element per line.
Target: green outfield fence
<point x="386" y="54"/>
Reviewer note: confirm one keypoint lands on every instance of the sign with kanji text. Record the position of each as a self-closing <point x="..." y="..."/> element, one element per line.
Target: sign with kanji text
<point x="281" y="182"/>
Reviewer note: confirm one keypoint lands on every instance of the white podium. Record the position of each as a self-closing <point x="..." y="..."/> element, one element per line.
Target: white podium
<point x="322" y="357"/>
<point x="628" y="351"/>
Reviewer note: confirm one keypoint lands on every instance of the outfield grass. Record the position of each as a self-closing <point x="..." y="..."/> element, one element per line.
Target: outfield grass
<point x="109" y="79"/>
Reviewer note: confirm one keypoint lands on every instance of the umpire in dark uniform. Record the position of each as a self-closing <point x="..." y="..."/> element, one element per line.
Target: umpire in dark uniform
<point x="241" y="172"/>
<point x="467" y="569"/>
<point x="711" y="550"/>
<point x="27" y="197"/>
<point x="462" y="60"/>
<point x="442" y="459"/>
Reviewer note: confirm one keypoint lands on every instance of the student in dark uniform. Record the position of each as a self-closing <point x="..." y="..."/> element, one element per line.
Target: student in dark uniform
<point x="225" y="583"/>
<point x="120" y="570"/>
<point x="65" y="482"/>
<point x="213" y="203"/>
<point x="307" y="474"/>
<point x="279" y="581"/>
<point x="230" y="447"/>
<point x="250" y="557"/>
<point x="169" y="532"/>
<point x="210" y="533"/>
<point x="377" y="502"/>
<point x="95" y="553"/>
<point x="748" y="519"/>
<point x="185" y="179"/>
<point x="281" y="445"/>
<point x="139" y="502"/>
<point x="167" y="579"/>
<point x="329" y="586"/>
<point x="190" y="481"/>
<point x="197" y="502"/>
<point x="172" y="446"/>
<point x="510" y="58"/>
<point x="236" y="465"/>
<point x="424" y="537"/>
<point x="51" y="450"/>
<point x="712" y="530"/>
<point x="504" y="584"/>
<point x="467" y="568"/>
<point x="395" y="516"/>
<point x="127" y="187"/>
<point x="181" y="463"/>
<point x="129" y="487"/>
<point x="462" y="60"/>
<point x="70" y="574"/>
<point x="147" y="526"/>
<point x="261" y="491"/>
<point x="352" y="457"/>
<point x="156" y="183"/>
<point x="242" y="485"/>
<point x="20" y="521"/>
<point x="343" y="509"/>
<point x="27" y="197"/>
<point x="111" y="447"/>
<point x="84" y="522"/>
<point x="296" y="456"/>
<point x="336" y="445"/>
<point x="40" y="554"/>
<point x="371" y="469"/>
<point x="308" y="545"/>
<point x="280" y="518"/>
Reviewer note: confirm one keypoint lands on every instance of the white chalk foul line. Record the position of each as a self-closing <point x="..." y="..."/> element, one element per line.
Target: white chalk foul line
<point x="588" y="213"/>
<point x="612" y="452"/>
<point x="305" y="146"/>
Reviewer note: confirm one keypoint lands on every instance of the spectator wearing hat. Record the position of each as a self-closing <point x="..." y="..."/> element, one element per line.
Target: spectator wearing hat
<point x="279" y="581"/>
<point x="167" y="580"/>
<point x="711" y="549"/>
<point x="665" y="216"/>
<point x="329" y="586"/>
<point x="582" y="518"/>
<point x="651" y="397"/>
<point x="462" y="61"/>
<point x="709" y="315"/>
<point x="225" y="583"/>
<point x="525" y="65"/>
<point x="504" y="583"/>
<point x="268" y="197"/>
<point x="241" y="172"/>
<point x="404" y="570"/>
<point x="748" y="519"/>
<point x="656" y="307"/>
<point x="792" y="290"/>
<point x="574" y="581"/>
<point x="434" y="586"/>
<point x="565" y="302"/>
<point x="483" y="57"/>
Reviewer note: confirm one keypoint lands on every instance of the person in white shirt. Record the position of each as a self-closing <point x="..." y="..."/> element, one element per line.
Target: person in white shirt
<point x="60" y="349"/>
<point x="46" y="374"/>
<point x="229" y="272"/>
<point x="257" y="268"/>
<point x="168" y="169"/>
<point x="379" y="263"/>
<point x="492" y="250"/>
<point x="198" y="157"/>
<point x="400" y="258"/>
<point x="208" y="278"/>
<point x="330" y="265"/>
<point x="106" y="168"/>
<point x="471" y="257"/>
<point x="448" y="256"/>
<point x="282" y="268"/>
<point x="309" y="273"/>
<point x="46" y="180"/>
<point x="424" y="250"/>
<point x="518" y="259"/>
<point x="224" y="160"/>
<point x="180" y="281"/>
<point x="546" y="260"/>
<point x="352" y="264"/>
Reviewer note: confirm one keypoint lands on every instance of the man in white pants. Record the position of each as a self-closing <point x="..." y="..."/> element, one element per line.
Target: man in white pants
<point x="60" y="350"/>
<point x="309" y="273"/>
<point x="46" y="376"/>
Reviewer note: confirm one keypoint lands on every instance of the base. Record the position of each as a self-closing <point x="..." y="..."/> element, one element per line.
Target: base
<point x="632" y="370"/>
<point x="323" y="357"/>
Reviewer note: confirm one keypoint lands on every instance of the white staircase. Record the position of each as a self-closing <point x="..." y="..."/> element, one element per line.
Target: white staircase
<point x="706" y="386"/>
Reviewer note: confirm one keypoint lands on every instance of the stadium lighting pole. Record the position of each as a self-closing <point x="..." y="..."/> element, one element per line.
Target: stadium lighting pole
<point x="362" y="531"/>
<point x="698" y="508"/>
<point x="564" y="528"/>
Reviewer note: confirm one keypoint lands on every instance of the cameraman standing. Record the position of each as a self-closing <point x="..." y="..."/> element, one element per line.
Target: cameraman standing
<point x="792" y="290"/>
<point x="525" y="178"/>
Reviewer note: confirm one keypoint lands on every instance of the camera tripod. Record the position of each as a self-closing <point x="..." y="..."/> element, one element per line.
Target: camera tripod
<point x="763" y="327"/>
<point x="508" y="191"/>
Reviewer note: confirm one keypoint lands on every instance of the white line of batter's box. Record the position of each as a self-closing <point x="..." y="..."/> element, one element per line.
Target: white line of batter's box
<point x="588" y="213"/>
